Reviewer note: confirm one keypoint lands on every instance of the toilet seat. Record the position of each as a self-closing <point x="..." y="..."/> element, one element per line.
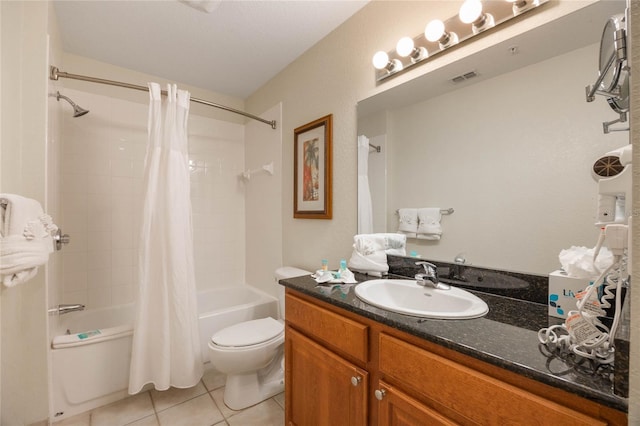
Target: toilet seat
<point x="248" y="333"/>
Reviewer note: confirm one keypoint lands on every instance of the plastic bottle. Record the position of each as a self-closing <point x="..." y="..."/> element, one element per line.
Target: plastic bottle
<point x="325" y="265"/>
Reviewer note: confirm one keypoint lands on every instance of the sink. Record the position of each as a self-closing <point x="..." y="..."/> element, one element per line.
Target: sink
<point x="409" y="298"/>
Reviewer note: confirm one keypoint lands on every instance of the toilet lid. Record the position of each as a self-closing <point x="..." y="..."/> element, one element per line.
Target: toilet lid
<point x="248" y="333"/>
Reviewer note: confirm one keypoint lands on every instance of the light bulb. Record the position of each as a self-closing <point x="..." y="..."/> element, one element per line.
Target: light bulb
<point x="434" y="30"/>
<point x="470" y="11"/>
<point x="380" y="60"/>
<point x="405" y="46"/>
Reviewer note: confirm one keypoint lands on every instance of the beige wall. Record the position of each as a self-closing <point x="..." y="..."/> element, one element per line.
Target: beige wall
<point x="330" y="78"/>
<point x="263" y="192"/>
<point x="23" y="366"/>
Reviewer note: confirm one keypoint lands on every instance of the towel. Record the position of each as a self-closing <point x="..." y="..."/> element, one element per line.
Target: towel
<point x="374" y="264"/>
<point x="394" y="243"/>
<point x="370" y="251"/>
<point x="408" y="222"/>
<point x="25" y="238"/>
<point x="429" y="227"/>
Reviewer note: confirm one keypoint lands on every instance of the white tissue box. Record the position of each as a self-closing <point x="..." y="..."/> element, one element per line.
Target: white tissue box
<point x="562" y="293"/>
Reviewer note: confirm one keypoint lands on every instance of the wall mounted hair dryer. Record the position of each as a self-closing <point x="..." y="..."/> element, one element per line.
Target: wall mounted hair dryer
<point x="613" y="171"/>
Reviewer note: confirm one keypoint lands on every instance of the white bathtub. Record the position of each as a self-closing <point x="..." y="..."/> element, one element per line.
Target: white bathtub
<point x="93" y="369"/>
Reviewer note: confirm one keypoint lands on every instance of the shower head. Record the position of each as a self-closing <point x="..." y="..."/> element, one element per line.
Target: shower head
<point x="77" y="110"/>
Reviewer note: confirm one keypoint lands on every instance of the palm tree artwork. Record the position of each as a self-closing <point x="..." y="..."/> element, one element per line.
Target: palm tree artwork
<point x="311" y="172"/>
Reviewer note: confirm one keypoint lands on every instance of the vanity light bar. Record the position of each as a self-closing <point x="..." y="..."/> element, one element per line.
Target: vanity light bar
<point x="475" y="17"/>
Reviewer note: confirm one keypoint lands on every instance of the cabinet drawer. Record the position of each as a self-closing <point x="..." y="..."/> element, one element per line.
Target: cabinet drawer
<point x="465" y="391"/>
<point x="345" y="335"/>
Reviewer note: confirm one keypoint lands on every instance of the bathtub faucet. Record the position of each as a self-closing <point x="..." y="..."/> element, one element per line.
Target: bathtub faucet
<point x="65" y="308"/>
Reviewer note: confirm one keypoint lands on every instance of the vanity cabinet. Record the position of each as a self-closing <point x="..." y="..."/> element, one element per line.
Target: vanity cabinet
<point x="325" y="382"/>
<point x="342" y="368"/>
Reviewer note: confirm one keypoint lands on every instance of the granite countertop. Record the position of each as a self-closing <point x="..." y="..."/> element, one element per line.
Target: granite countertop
<point x="506" y="337"/>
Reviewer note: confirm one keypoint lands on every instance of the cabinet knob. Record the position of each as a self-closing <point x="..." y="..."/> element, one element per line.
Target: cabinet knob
<point x="355" y="380"/>
<point x="380" y="393"/>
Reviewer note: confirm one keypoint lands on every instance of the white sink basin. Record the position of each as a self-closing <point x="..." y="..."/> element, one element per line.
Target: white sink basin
<point x="409" y="298"/>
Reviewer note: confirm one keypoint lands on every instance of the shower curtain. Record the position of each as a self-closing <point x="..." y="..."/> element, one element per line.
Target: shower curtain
<point x="365" y="211"/>
<point x="166" y="345"/>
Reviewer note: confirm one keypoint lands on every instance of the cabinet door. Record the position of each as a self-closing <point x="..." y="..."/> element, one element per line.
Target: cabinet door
<point x="321" y="387"/>
<point x="399" y="409"/>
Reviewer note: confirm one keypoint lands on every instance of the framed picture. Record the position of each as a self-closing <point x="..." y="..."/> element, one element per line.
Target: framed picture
<point x="312" y="174"/>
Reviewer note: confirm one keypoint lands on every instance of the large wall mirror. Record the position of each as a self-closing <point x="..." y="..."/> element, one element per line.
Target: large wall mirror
<point x="510" y="150"/>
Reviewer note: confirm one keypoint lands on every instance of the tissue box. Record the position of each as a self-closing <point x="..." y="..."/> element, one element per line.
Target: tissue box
<point x="562" y="293"/>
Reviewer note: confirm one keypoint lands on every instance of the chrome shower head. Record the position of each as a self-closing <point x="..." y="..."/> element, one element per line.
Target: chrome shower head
<point x="77" y="110"/>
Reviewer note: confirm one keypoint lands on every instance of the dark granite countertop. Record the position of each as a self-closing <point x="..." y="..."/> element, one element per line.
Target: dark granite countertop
<point x="505" y="337"/>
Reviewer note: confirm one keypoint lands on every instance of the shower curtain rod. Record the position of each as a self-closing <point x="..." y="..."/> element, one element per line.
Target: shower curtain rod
<point x="55" y="73"/>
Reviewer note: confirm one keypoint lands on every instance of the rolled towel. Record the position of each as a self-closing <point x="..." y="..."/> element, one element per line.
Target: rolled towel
<point x="25" y="238"/>
<point x="395" y="243"/>
<point x="408" y="222"/>
<point x="373" y="264"/>
<point x="429" y="227"/>
<point x="391" y="243"/>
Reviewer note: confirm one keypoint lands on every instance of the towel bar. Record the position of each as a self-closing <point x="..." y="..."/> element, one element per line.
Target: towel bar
<point x="442" y="211"/>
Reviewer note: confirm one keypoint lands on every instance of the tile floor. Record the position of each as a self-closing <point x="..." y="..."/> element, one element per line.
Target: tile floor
<point x="200" y="405"/>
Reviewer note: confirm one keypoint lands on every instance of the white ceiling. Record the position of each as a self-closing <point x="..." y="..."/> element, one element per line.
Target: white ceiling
<point x="234" y="49"/>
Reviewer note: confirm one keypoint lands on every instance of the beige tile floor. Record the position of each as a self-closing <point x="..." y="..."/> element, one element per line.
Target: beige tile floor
<point x="200" y="405"/>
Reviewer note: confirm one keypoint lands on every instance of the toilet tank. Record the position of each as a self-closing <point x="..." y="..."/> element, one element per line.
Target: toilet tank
<point x="282" y="273"/>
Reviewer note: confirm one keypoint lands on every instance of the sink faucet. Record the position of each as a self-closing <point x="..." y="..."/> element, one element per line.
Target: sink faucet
<point x="430" y="277"/>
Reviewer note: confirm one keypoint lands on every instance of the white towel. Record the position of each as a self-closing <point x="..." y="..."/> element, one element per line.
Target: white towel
<point x="25" y="238"/>
<point x="394" y="243"/>
<point x="373" y="264"/>
<point x="370" y="251"/>
<point x="389" y="243"/>
<point x="429" y="227"/>
<point x="408" y="222"/>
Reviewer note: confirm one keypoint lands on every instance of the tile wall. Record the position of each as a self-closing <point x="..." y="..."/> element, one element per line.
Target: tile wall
<point x="102" y="170"/>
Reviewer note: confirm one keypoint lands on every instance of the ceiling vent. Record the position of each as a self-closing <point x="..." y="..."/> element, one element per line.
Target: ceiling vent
<point x="464" y="77"/>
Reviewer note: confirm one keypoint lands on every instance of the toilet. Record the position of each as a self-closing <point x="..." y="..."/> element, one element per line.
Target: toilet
<point x="251" y="354"/>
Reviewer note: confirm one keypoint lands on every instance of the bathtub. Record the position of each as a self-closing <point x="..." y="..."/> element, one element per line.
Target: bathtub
<point x="90" y="361"/>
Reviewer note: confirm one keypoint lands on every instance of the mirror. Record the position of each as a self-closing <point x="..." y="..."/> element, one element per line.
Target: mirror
<point x="510" y="150"/>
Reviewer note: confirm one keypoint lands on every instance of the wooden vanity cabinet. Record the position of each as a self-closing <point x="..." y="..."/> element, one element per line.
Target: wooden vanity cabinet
<point x="325" y="389"/>
<point x="403" y="380"/>
<point x="325" y="382"/>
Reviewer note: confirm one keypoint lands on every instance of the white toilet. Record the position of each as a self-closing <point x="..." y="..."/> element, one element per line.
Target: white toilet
<point x="251" y="354"/>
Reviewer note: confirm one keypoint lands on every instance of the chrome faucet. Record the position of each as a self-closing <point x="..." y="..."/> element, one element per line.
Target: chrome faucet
<point x="65" y="308"/>
<point x="430" y="277"/>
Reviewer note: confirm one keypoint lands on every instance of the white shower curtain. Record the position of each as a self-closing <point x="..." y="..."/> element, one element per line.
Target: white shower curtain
<point x="166" y="346"/>
<point x="365" y="210"/>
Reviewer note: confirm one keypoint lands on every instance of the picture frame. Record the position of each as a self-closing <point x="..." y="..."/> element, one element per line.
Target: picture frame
<point x="312" y="169"/>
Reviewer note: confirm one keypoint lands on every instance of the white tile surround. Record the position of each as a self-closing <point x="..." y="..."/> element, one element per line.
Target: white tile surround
<point x="102" y="170"/>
